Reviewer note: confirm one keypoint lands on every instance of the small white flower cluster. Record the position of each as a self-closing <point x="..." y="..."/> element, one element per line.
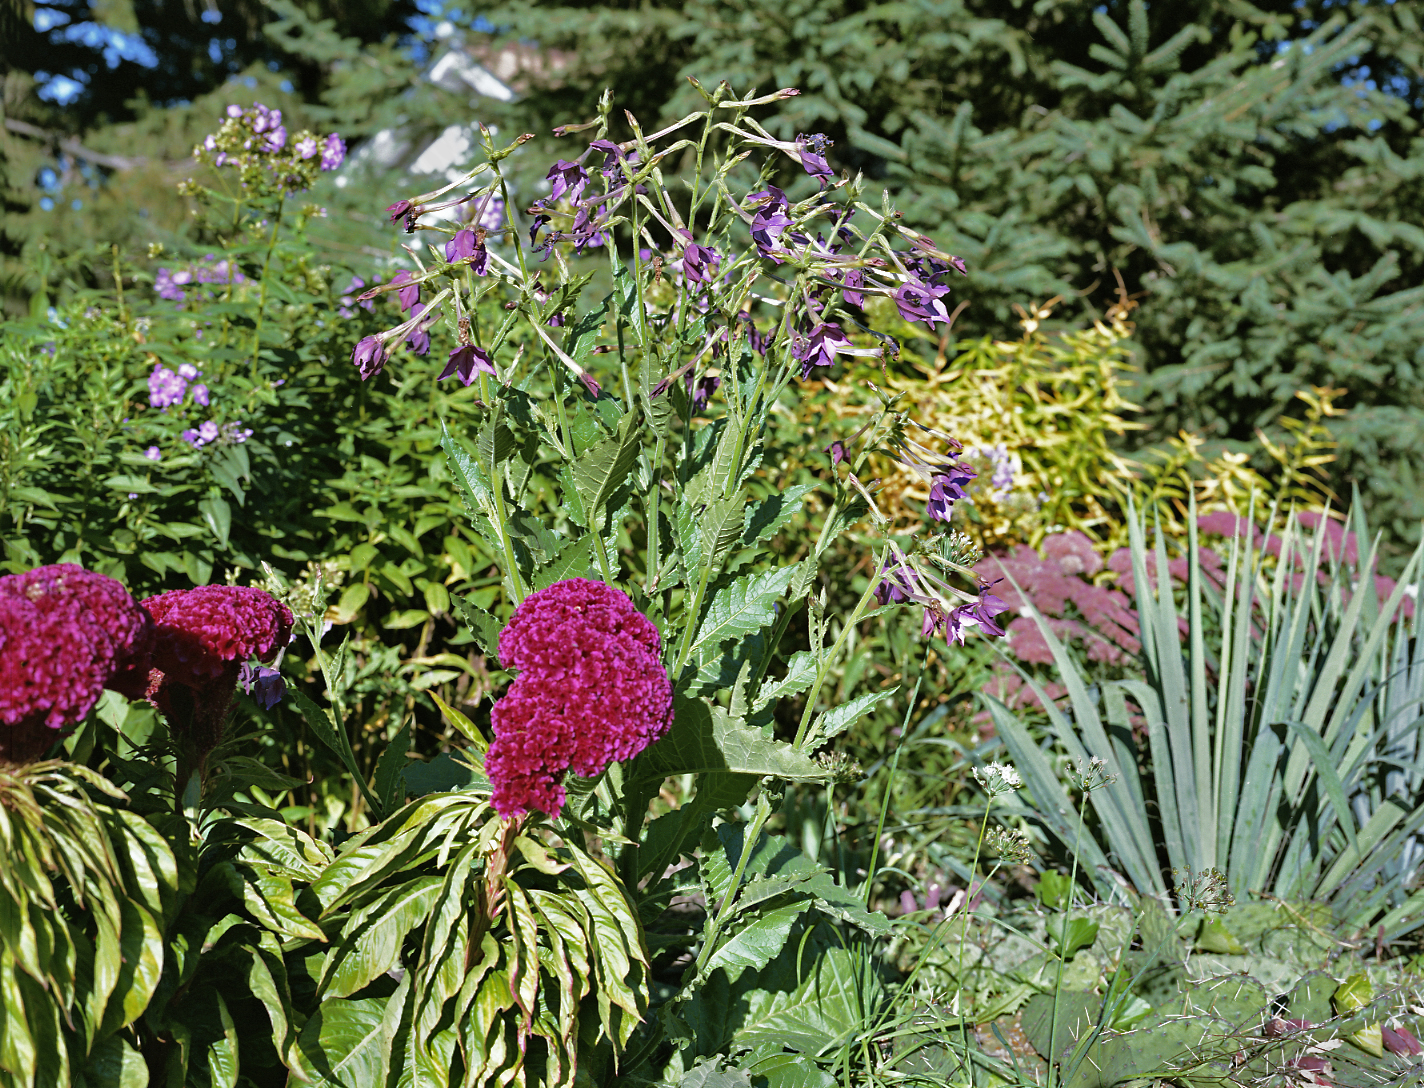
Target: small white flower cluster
<point x="998" y="778"/>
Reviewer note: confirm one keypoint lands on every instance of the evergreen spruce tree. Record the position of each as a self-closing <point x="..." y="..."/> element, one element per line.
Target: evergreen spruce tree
<point x="1253" y="171"/>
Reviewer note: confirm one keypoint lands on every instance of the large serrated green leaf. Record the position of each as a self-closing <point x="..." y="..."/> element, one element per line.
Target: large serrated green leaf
<point x="838" y="719"/>
<point x="744" y="607"/>
<point x="764" y="518"/>
<point x="757" y="944"/>
<point x="705" y="738"/>
<point x="603" y="467"/>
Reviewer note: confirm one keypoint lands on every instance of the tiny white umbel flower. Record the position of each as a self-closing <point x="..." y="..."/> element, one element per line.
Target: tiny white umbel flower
<point x="998" y="778"/>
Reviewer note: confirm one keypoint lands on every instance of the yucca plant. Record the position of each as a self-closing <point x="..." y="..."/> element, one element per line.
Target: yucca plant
<point x="1281" y="732"/>
<point x="84" y="891"/>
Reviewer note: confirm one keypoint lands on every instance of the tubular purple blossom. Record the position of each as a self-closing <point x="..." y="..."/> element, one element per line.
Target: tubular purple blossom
<point x="947" y="487"/>
<point x="369" y="355"/>
<point x="819" y="348"/>
<point x="566" y="177"/>
<point x="922" y="302"/>
<point x="409" y="292"/>
<point x="812" y="150"/>
<point x="700" y="263"/>
<point x="465" y="362"/>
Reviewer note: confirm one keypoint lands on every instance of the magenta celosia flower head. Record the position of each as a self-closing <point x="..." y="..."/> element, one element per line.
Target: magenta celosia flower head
<point x="203" y="632"/>
<point x="591" y="689"/>
<point x="65" y="634"/>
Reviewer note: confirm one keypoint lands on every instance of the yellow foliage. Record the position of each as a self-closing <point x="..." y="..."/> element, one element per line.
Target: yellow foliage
<point x="1055" y="405"/>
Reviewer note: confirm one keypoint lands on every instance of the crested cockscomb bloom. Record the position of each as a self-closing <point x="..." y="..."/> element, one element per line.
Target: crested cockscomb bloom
<point x="591" y="689"/>
<point x="202" y="638"/>
<point x="65" y="634"/>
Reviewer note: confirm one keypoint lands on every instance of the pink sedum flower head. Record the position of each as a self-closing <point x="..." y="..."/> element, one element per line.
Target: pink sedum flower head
<point x="65" y="634"/>
<point x="591" y="689"/>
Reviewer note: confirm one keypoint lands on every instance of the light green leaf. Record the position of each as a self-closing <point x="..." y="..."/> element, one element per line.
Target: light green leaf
<point x="371" y="939"/>
<point x="217" y="514"/>
<point x="745" y="606"/>
<point x="603" y="467"/>
<point x="834" y="722"/>
<point x="389" y="784"/>
<point x="222" y="1052"/>
<point x="758" y="943"/>
<point x="347" y="1043"/>
<point x="704" y="738"/>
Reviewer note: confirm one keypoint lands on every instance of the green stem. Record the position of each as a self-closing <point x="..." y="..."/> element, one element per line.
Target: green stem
<point x="500" y="517"/>
<point x="1063" y="935"/>
<point x="655" y="517"/>
<point x="825" y="665"/>
<point x="262" y="294"/>
<point x="964" y="927"/>
<point x="749" y="841"/>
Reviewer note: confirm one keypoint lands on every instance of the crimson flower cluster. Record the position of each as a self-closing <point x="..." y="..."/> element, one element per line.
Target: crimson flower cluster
<point x="591" y="689"/>
<point x="67" y="633"/>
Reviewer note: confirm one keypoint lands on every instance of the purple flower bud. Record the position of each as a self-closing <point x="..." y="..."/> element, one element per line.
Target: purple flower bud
<point x="409" y="294"/>
<point x="566" y="177"/>
<point x="187" y="371"/>
<point x="594" y="389"/>
<point x="700" y="263"/>
<point x="838" y="453"/>
<point x="608" y="147"/>
<point x="369" y="355"/>
<point x="153" y="453"/>
<point x="398" y="210"/>
<point x="200" y="395"/>
<point x="465" y="362"/>
<point x="334" y="153"/>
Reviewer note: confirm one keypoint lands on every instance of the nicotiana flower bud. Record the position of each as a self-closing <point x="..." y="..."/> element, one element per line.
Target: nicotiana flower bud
<point x="369" y="355"/>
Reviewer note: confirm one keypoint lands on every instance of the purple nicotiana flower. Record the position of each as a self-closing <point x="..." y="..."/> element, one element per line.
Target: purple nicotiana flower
<point x="702" y="390"/>
<point x="587" y="231"/>
<point x="465" y="362"/>
<point x="419" y="337"/>
<point x="200" y="395"/>
<point x="153" y="453"/>
<point x="557" y="321"/>
<point x="700" y="263"/>
<point x="398" y="210"/>
<point x="946" y="487"/>
<point x="333" y="153"/>
<point x="837" y="451"/>
<point x="566" y="177"/>
<point x="853" y="281"/>
<point x="812" y="150"/>
<point x="409" y="293"/>
<point x="983" y="611"/>
<point x="369" y="355"/>
<point x="922" y="302"/>
<point x="771" y="221"/>
<point x="468" y="246"/>
<point x="165" y="388"/>
<point x="819" y="348"/>
<point x="264" y="684"/>
<point x="898" y="585"/>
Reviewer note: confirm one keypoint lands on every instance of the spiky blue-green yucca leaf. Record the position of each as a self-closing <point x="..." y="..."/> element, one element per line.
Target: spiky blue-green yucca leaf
<point x="1282" y="733"/>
